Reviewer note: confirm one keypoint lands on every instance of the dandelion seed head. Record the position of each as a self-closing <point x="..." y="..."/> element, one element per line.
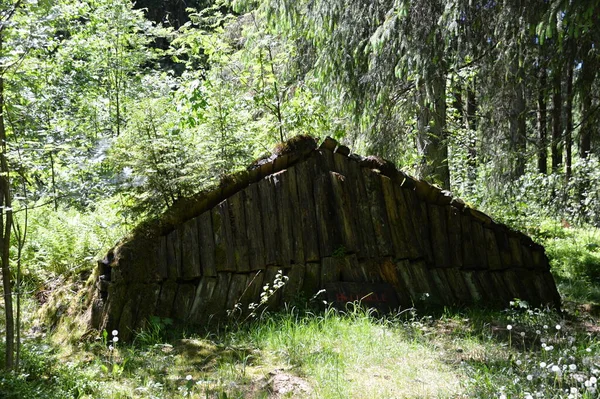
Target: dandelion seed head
<point x="115" y="333"/>
<point x="572" y="367"/>
<point x="188" y="377"/>
<point x="558" y="327"/>
<point x="509" y="327"/>
<point x="529" y="377"/>
<point x="115" y="339"/>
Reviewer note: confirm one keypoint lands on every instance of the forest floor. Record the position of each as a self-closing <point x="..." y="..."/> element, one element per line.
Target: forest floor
<point x="517" y="352"/>
<point x="454" y="353"/>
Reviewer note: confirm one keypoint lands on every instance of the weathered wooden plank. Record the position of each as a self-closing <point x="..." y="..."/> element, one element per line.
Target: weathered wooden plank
<point x="292" y="289"/>
<point x="215" y="307"/>
<point x="439" y="235"/>
<point x="147" y="305"/>
<point x="207" y="245"/>
<point x="468" y="248"/>
<point x="473" y="285"/>
<point x="493" y="254"/>
<point x="237" y="219"/>
<point x="183" y="301"/>
<point x="284" y="217"/>
<point x="454" y="236"/>
<point x="234" y="297"/>
<point x="251" y="297"/>
<point x="527" y="256"/>
<point x="503" y="247"/>
<point x="164" y="305"/>
<point x="202" y="296"/>
<point x="174" y="254"/>
<point x="515" y="252"/>
<point x="409" y="232"/>
<point x="330" y="237"/>
<point x="254" y="228"/>
<point x="223" y="237"/>
<point x="305" y="175"/>
<point x="343" y="211"/>
<point x="161" y="255"/>
<point x="399" y="238"/>
<point x="190" y="259"/>
<point x="312" y="279"/>
<point x="420" y="224"/>
<point x="331" y="269"/>
<point x="380" y="222"/>
<point x="456" y="282"/>
<point x="367" y="247"/>
<point x="272" y="237"/>
<point x="442" y="293"/>
<point x="479" y="245"/>
<point x="295" y="211"/>
<point x="351" y="270"/>
<point x="390" y="274"/>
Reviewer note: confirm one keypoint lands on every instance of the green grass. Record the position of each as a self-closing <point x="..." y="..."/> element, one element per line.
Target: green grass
<point x="457" y="353"/>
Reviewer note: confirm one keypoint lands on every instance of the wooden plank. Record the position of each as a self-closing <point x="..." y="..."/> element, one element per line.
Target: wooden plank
<point x="367" y="246"/>
<point x="468" y="248"/>
<point x="305" y="175"/>
<point x="503" y="247"/>
<point x="343" y="212"/>
<point x="164" y="306"/>
<point x="295" y="211"/>
<point x="493" y="254"/>
<point x="284" y="217"/>
<point x="328" y="230"/>
<point x="292" y="289"/>
<point x="207" y="245"/>
<point x="409" y="232"/>
<point x="399" y="241"/>
<point x="515" y="252"/>
<point x="266" y="189"/>
<point x="383" y="236"/>
<point x="222" y="233"/>
<point x="161" y="255"/>
<point x="420" y="224"/>
<point x="204" y="291"/>
<point x="331" y="270"/>
<point x="479" y="245"/>
<point x="237" y="219"/>
<point x="234" y="297"/>
<point x="254" y="228"/>
<point x="190" y="263"/>
<point x="174" y="255"/>
<point x="351" y="270"/>
<point x="312" y="279"/>
<point x="183" y="301"/>
<point x="454" y="236"/>
<point x="439" y="235"/>
<point x="390" y="274"/>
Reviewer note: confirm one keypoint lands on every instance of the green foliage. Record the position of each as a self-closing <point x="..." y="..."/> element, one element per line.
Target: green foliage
<point x="68" y="241"/>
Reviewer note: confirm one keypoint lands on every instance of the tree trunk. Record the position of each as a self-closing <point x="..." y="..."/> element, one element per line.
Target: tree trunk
<point x="556" y="119"/>
<point x="587" y="78"/>
<point x="517" y="121"/>
<point x="542" y="160"/>
<point x="5" y="229"/>
<point x="471" y="124"/>
<point x="569" y="121"/>
<point x="431" y="141"/>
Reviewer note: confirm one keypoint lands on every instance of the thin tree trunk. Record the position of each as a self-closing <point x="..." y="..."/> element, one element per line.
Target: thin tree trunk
<point x="5" y="229"/>
<point x="587" y="78"/>
<point x="569" y="121"/>
<point x="471" y="124"/>
<point x="542" y="160"/>
<point x="517" y="122"/>
<point x="555" y="146"/>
